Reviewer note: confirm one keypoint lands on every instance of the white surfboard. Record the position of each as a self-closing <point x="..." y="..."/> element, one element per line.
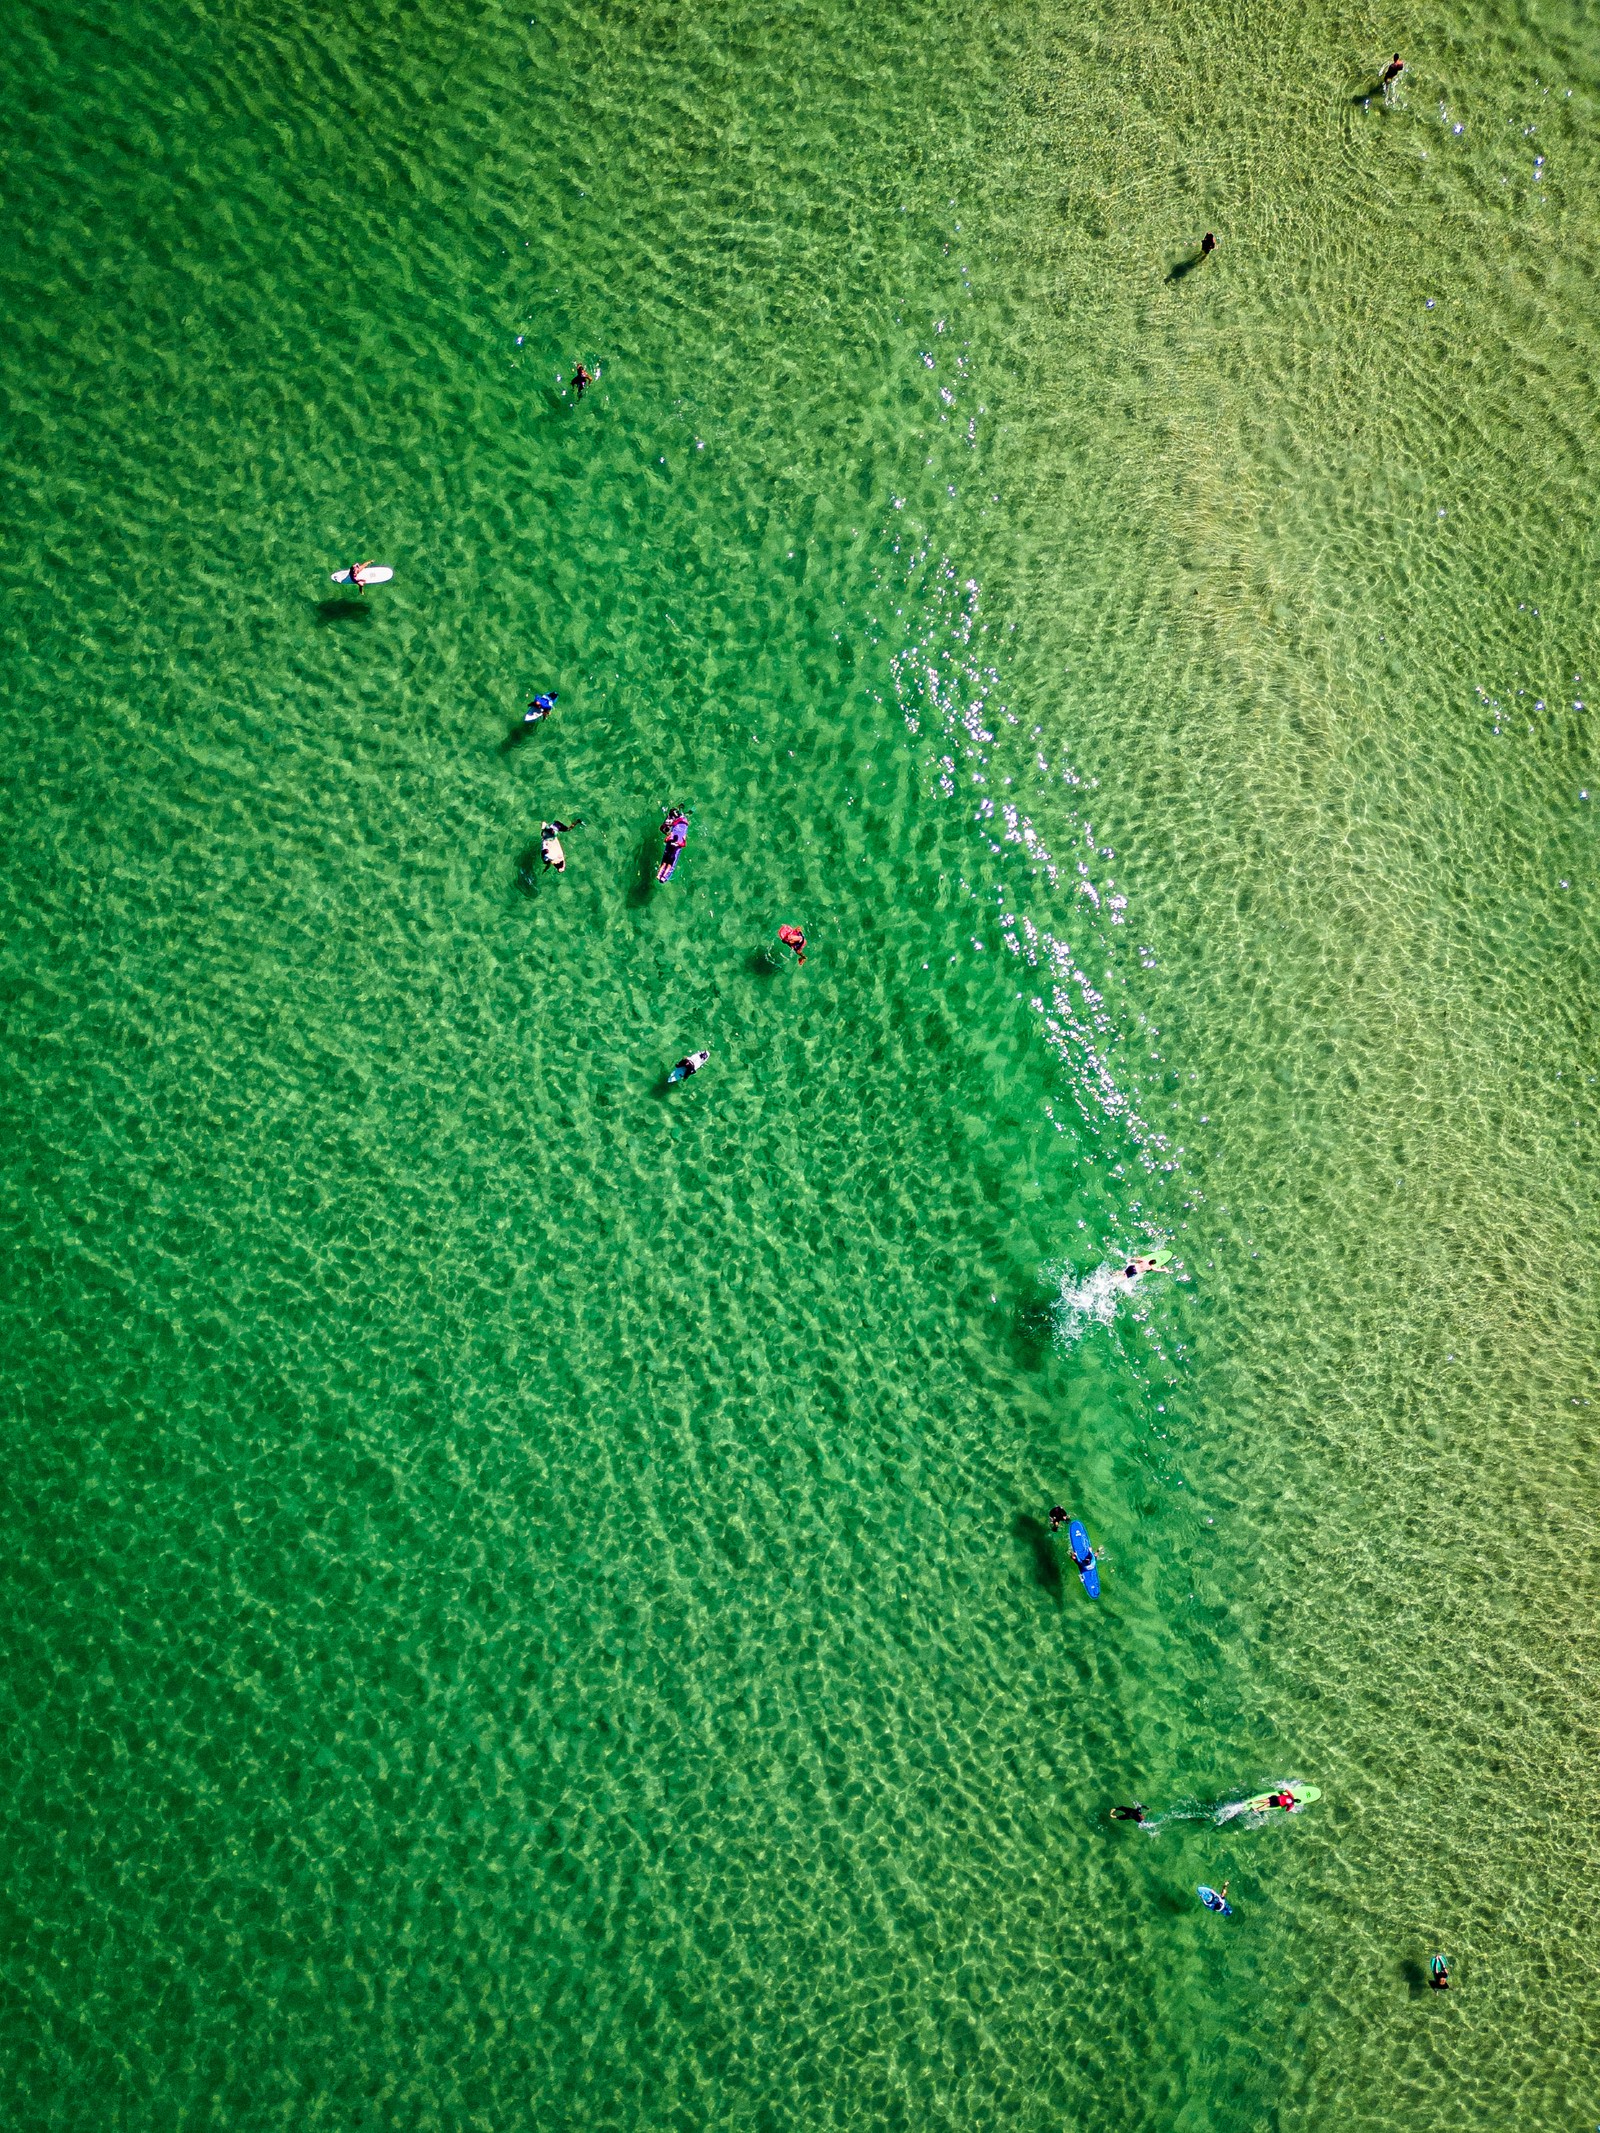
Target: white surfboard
<point x="379" y="574"/>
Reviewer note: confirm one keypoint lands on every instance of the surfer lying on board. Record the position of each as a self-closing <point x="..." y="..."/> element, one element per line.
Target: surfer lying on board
<point x="550" y="836"/>
<point x="1136" y="1267"/>
<point x="1285" y="1800"/>
<point x="1439" y="1974"/>
<point x="1135" y="1813"/>
<point x="674" y="835"/>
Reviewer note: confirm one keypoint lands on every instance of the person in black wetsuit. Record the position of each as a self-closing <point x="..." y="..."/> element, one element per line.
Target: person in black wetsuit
<point x="1135" y="1813"/>
<point x="1393" y="71"/>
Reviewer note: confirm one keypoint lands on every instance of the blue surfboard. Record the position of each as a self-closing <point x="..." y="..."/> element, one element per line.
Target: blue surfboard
<point x="1214" y="1902"/>
<point x="1083" y="1556"/>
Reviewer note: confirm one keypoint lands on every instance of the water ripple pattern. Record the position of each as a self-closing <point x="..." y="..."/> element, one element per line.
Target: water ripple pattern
<point x="531" y="1591"/>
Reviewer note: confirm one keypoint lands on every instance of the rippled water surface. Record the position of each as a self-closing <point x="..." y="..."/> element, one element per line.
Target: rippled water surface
<point x="531" y="1600"/>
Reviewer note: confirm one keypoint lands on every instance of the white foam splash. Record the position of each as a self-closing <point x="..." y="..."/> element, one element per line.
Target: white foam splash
<point x="1085" y="1300"/>
<point x="948" y="695"/>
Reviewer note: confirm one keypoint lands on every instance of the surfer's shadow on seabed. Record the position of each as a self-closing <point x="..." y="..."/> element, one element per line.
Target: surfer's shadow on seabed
<point x="342" y="609"/>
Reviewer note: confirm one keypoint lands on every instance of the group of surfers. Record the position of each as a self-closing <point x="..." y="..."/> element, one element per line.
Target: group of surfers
<point x="674" y="836"/>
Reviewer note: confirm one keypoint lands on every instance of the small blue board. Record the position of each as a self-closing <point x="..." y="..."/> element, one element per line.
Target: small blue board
<point x="1083" y="1556"/>
<point x="1214" y="1902"/>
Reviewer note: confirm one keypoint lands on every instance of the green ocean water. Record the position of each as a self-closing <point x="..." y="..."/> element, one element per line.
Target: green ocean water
<point x="529" y="1597"/>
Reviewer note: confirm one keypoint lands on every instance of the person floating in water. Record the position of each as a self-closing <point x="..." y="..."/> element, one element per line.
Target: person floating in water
<point x="691" y="1065"/>
<point x="540" y="708"/>
<point x="1058" y="1518"/>
<point x="675" y="835"/>
<point x="550" y="836"/>
<point x="1208" y="244"/>
<point x="1393" y="71"/>
<point x="1135" y="1813"/>
<point x="792" y="937"/>
<point x="1439" y="1974"/>
<point x="582" y="380"/>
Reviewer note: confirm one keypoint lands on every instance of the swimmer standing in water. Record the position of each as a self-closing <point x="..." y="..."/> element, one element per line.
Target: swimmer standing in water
<point x="1392" y="72"/>
<point x="582" y="380"/>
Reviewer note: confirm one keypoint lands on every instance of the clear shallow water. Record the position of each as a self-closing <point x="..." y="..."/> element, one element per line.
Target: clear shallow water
<point x="534" y="1601"/>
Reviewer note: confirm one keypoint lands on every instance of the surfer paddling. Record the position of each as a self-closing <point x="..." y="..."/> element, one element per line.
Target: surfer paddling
<point x="1133" y="1269"/>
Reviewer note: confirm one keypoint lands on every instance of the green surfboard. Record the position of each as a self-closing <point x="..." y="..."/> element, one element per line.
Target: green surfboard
<point x="1303" y="1796"/>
